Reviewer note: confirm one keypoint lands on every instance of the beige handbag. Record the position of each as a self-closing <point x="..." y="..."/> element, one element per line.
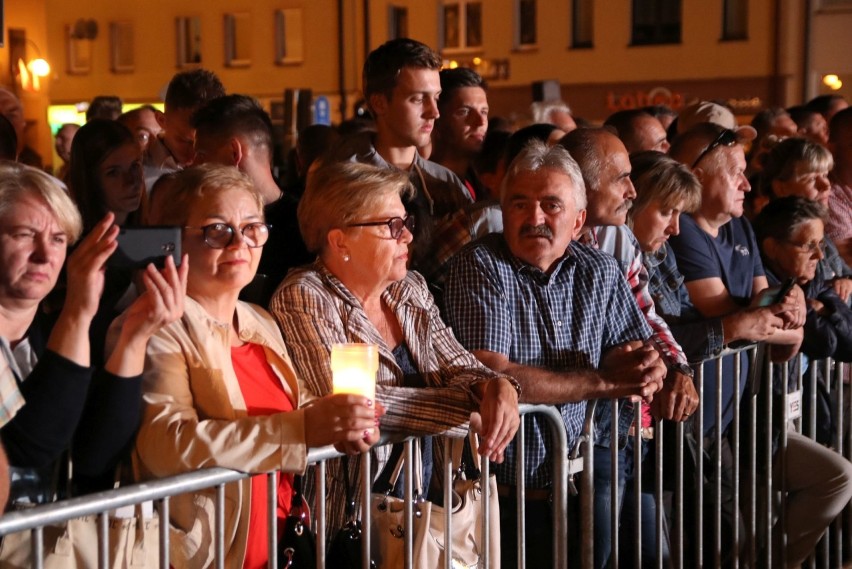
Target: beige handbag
<point x="388" y="525"/>
<point x="133" y="543"/>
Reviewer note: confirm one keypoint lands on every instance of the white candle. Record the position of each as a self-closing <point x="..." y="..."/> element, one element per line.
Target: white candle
<point x="354" y="367"/>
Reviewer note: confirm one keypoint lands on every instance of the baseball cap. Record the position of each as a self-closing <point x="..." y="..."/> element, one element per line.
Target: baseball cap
<point x="705" y="111"/>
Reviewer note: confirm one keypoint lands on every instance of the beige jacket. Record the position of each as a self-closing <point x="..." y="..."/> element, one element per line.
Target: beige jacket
<point x="195" y="417"/>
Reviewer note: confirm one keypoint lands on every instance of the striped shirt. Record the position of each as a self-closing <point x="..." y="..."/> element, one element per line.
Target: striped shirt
<point x="558" y="321"/>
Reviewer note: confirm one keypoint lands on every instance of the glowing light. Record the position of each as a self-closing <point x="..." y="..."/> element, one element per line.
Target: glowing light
<point x="454" y="64"/>
<point x="354" y="367"/>
<point x="39" y="67"/>
<point x="832" y="81"/>
<point x="477" y="60"/>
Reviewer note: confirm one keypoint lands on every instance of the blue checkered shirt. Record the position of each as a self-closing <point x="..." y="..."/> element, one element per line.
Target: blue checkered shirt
<point x="559" y="321"/>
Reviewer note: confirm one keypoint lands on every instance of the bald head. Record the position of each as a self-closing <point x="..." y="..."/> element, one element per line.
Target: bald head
<point x="605" y="164"/>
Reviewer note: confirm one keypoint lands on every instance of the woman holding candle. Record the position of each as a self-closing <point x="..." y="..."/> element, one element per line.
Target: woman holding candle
<point x="219" y="388"/>
<point x="359" y="290"/>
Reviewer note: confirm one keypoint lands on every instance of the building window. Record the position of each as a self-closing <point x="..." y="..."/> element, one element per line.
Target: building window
<point x="735" y="20"/>
<point x="462" y="25"/>
<point x="526" y="32"/>
<point x="582" y="23"/>
<point x="656" y="21"/>
<point x="398" y="22"/>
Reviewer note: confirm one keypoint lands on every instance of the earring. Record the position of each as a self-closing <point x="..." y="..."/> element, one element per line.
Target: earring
<point x="346" y="257"/>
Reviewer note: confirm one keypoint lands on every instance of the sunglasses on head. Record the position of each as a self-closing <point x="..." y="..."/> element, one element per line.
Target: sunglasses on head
<point x="726" y="138"/>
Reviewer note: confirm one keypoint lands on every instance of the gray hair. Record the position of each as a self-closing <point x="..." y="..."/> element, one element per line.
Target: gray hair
<point x="541" y="111"/>
<point x="537" y="156"/>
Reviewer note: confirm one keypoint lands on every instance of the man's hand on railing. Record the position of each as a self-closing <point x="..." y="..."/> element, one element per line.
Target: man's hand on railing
<point x="677" y="400"/>
<point x="497" y="419"/>
<point x="636" y="369"/>
<point x="349" y="422"/>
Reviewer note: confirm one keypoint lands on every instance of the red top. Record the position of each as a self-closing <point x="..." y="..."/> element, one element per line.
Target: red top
<point x="264" y="395"/>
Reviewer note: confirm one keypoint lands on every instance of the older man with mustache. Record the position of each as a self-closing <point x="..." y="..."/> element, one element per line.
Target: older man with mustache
<point x="556" y="315"/>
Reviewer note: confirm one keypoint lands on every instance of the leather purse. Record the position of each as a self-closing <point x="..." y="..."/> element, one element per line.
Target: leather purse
<point x="388" y="514"/>
<point x="297" y="546"/>
<point x="345" y="549"/>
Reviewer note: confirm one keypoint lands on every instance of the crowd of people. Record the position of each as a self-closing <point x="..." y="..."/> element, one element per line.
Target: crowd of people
<point x="555" y="262"/>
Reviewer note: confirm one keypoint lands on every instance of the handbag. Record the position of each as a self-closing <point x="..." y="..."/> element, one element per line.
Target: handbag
<point x="345" y="549"/>
<point x="297" y="546"/>
<point x="132" y="543"/>
<point x="388" y="515"/>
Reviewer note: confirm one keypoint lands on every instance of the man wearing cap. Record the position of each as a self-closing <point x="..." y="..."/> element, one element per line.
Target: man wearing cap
<point x="714" y="113"/>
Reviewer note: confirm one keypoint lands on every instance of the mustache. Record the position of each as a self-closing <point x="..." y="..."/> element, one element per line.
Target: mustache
<point x="626" y="205"/>
<point x="536" y="231"/>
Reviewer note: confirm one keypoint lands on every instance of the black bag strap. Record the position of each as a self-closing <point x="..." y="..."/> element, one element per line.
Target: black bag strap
<point x="350" y="494"/>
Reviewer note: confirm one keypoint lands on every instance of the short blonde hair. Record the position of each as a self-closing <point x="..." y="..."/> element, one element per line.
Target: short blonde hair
<point x="187" y="187"/>
<point x="658" y="177"/>
<point x="18" y="180"/>
<point x="341" y="193"/>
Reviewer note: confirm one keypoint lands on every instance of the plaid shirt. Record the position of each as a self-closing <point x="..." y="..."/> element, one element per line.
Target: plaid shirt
<point x="469" y="223"/>
<point x="839" y="226"/>
<point x="316" y="310"/>
<point x="620" y="242"/>
<point x="560" y="321"/>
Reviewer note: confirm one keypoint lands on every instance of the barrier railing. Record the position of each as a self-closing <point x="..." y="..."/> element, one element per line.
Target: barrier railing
<point x="689" y="518"/>
<point x="737" y="497"/>
<point x="160" y="491"/>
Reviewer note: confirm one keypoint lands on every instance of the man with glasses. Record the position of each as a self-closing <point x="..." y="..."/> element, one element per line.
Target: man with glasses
<point x="401" y="86"/>
<point x="717" y="254"/>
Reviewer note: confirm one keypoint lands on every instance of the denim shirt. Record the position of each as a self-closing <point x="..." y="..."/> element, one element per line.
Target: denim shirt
<point x="701" y="338"/>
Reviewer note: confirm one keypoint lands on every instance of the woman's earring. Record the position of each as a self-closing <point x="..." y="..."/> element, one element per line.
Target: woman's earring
<point x="346" y="257"/>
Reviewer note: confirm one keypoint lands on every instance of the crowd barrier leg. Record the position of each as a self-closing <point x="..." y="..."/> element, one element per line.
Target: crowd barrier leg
<point x="164" y="533"/>
<point x="520" y="492"/>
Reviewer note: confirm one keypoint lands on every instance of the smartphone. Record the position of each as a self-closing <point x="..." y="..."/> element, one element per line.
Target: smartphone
<point x="775" y="294"/>
<point x="139" y="246"/>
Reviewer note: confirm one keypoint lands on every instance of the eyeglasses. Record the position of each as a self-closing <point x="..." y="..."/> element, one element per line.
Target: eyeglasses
<point x="726" y="138"/>
<point x="811" y="247"/>
<point x="395" y="224"/>
<point x="221" y="235"/>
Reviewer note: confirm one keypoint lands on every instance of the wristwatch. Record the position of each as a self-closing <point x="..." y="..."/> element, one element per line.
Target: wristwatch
<point x="515" y="384"/>
<point x="684" y="369"/>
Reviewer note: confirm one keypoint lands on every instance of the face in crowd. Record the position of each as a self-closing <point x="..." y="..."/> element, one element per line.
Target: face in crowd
<point x="33" y="247"/>
<point x="540" y="216"/>
<point x="799" y="254"/>
<point x="410" y="112"/>
<point x="721" y="172"/>
<point x="655" y="223"/>
<point x="610" y="202"/>
<point x="122" y="180"/>
<point x="221" y="241"/>
<point x="464" y="124"/>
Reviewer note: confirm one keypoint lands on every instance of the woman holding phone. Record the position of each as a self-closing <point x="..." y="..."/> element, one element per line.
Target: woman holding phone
<point x="220" y="389"/>
<point x="48" y="356"/>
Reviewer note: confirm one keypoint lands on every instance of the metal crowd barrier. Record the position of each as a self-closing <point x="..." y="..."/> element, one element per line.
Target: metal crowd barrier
<point x="160" y="491"/>
<point x="755" y="489"/>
